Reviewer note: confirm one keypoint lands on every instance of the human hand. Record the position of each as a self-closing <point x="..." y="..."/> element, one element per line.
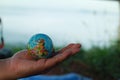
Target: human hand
<point x="22" y="64"/>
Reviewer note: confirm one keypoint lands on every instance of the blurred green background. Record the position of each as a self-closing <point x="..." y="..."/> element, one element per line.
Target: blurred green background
<point x="94" y="24"/>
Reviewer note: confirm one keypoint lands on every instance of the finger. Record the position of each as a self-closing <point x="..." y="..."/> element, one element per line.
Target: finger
<point x="63" y="49"/>
<point x="70" y="45"/>
<point x="62" y="56"/>
<point x="76" y="48"/>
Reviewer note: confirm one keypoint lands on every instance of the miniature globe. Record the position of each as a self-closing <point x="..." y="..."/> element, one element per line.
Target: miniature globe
<point x="40" y="46"/>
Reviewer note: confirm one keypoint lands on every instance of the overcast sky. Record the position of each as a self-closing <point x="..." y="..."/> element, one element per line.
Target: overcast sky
<point x="64" y="20"/>
<point x="61" y="4"/>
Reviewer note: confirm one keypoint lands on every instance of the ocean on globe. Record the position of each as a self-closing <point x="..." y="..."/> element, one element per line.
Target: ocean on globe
<point x="40" y="46"/>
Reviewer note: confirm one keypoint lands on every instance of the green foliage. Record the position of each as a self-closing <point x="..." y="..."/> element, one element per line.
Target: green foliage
<point x="105" y="60"/>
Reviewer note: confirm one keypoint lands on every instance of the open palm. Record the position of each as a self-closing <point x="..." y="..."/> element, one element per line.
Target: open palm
<point x="25" y="65"/>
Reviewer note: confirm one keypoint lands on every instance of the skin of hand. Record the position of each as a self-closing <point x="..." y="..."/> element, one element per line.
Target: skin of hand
<point x="22" y="65"/>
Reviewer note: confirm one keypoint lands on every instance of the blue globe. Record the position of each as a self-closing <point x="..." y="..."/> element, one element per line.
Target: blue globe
<point x="42" y="46"/>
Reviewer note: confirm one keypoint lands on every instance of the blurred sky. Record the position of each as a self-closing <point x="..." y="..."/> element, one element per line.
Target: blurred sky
<point x="90" y="22"/>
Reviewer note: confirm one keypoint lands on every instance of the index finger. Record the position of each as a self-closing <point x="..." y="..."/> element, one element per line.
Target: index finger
<point x="62" y="56"/>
